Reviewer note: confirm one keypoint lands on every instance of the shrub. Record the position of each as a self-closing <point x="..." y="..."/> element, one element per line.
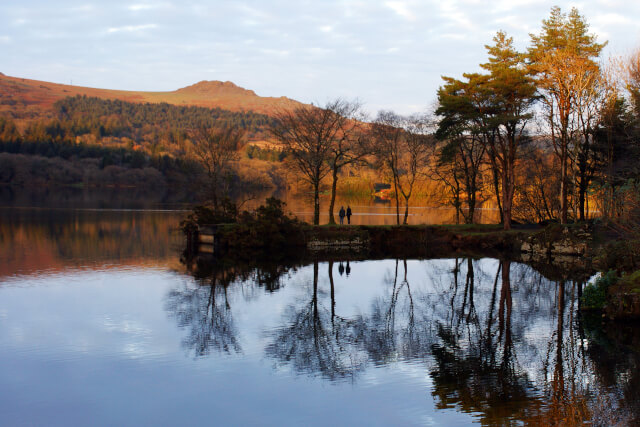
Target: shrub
<point x="594" y="296"/>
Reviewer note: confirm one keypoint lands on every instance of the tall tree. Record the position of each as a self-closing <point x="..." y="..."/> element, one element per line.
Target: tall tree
<point x="348" y="146"/>
<point x="614" y="139"/>
<point x="506" y="114"/>
<point x="463" y="129"/>
<point x="387" y="132"/>
<point x="593" y="94"/>
<point x="632" y="80"/>
<point x="403" y="148"/>
<point x="563" y="47"/>
<point x="308" y="134"/>
<point x="418" y="146"/>
<point x="214" y="149"/>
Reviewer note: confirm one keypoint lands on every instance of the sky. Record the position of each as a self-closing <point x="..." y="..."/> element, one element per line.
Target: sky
<point x="387" y="54"/>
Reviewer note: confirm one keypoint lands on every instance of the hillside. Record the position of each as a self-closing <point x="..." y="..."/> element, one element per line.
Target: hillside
<point x="54" y="134"/>
<point x="25" y="99"/>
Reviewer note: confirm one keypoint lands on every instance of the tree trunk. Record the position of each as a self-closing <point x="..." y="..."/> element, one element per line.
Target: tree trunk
<point x="316" y="203"/>
<point x="456" y="199"/>
<point x="406" y="210"/>
<point x="581" y="198"/>
<point x="582" y="190"/>
<point x="564" y="195"/>
<point x="507" y="201"/>
<point x="334" y="185"/>
<point x="508" y="189"/>
<point x="395" y="186"/>
<point x="505" y="302"/>
<point x="315" y="289"/>
<point x="471" y="201"/>
<point x="496" y="188"/>
<point x="214" y="194"/>
<point x="558" y="376"/>
<point x="333" y="294"/>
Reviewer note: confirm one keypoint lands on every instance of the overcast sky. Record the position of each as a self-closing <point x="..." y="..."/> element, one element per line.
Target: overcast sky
<point x="388" y="54"/>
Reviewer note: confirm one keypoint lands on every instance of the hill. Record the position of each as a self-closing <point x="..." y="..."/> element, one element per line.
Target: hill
<point x="70" y="135"/>
<point x="25" y="99"/>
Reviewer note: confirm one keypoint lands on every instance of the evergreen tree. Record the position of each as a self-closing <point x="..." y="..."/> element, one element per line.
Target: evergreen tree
<point x="563" y="59"/>
<point x="508" y="111"/>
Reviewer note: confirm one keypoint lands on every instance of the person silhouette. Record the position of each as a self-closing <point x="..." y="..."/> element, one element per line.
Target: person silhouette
<point x="348" y="269"/>
<point x="348" y="214"/>
<point x="341" y="268"/>
<point x="341" y="214"/>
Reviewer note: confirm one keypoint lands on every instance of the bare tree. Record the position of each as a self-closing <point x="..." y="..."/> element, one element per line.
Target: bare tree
<point x="318" y="141"/>
<point x="418" y="143"/>
<point x="387" y="133"/>
<point x="350" y="146"/>
<point x="215" y="149"/>
<point x="403" y="148"/>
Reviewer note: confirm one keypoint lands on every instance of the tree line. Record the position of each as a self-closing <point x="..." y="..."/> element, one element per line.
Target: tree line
<point x="548" y="133"/>
<point x="542" y="133"/>
<point x="153" y="128"/>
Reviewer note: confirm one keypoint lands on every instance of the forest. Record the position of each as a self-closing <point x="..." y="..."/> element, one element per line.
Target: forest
<point x="139" y="144"/>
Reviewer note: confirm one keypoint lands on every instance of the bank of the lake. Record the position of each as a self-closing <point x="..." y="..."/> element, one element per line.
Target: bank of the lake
<point x="577" y="250"/>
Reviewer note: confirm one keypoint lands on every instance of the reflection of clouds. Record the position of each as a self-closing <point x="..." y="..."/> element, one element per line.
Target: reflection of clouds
<point x="136" y="336"/>
<point x="84" y="313"/>
<point x="125" y="326"/>
<point x="124" y="315"/>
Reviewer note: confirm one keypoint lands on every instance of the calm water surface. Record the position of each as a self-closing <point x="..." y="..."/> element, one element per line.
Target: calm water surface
<point x="102" y="324"/>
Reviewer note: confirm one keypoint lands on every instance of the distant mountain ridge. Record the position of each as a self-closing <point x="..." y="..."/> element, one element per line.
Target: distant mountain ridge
<point x="24" y="98"/>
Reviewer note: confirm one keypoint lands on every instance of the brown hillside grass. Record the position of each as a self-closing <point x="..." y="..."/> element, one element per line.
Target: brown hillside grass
<point x="31" y="99"/>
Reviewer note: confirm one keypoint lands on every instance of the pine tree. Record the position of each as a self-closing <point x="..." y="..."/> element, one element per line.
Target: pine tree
<point x="561" y="57"/>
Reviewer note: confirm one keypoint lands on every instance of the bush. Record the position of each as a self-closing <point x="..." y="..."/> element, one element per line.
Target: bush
<point x="594" y="296"/>
<point x="268" y="228"/>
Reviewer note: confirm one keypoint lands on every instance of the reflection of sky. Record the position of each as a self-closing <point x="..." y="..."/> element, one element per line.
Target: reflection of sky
<point x="97" y="347"/>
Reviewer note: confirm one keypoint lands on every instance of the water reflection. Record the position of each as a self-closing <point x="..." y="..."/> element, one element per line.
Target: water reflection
<point x="498" y="339"/>
<point x="314" y="340"/>
<point x="45" y="240"/>
<point x="205" y="312"/>
<point x="102" y="297"/>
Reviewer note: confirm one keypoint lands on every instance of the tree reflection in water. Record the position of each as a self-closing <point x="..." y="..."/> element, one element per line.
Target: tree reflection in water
<point x="315" y="340"/>
<point x="390" y="331"/>
<point x="205" y="311"/>
<point x="475" y="365"/>
<point x="498" y="339"/>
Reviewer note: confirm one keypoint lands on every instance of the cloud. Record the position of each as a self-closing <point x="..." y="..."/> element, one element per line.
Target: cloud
<point x="611" y="19"/>
<point x="401" y="9"/>
<point x="275" y="52"/>
<point x="83" y="8"/>
<point x="137" y="7"/>
<point x="131" y="28"/>
<point x="450" y="12"/>
<point x="303" y="50"/>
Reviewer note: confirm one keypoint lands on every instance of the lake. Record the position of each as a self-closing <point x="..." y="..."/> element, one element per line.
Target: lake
<point x="103" y="321"/>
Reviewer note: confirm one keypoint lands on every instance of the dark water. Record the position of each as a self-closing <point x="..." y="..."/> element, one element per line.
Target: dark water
<point x="102" y="324"/>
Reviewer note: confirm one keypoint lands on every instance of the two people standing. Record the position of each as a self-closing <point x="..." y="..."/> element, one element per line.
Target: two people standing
<point x="344" y="213"/>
